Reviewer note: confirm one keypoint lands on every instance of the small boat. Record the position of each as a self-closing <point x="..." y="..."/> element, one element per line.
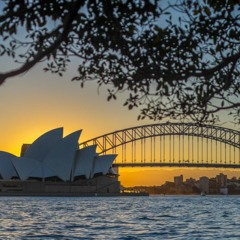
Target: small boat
<point x="203" y="194"/>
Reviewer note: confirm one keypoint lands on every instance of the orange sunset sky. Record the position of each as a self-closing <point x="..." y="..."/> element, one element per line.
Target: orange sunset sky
<point x="37" y="102"/>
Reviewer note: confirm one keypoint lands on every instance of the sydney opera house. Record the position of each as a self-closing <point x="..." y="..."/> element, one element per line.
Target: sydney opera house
<point x="54" y="165"/>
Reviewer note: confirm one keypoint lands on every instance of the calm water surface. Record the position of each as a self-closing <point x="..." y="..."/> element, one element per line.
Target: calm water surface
<point x="157" y="217"/>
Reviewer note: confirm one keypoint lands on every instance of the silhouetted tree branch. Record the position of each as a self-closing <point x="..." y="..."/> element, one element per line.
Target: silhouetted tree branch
<point x="177" y="59"/>
<point x="62" y="36"/>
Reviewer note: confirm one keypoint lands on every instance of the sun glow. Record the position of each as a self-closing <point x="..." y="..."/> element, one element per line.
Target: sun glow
<point x="35" y="103"/>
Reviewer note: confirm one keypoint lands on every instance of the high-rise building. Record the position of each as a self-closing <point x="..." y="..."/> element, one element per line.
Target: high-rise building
<point x="178" y="181"/>
<point x="221" y="180"/>
<point x="204" y="184"/>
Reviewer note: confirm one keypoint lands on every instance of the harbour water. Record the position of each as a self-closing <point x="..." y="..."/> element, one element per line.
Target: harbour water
<point x="154" y="217"/>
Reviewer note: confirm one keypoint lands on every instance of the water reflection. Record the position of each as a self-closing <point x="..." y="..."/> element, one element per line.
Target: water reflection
<point x="165" y="217"/>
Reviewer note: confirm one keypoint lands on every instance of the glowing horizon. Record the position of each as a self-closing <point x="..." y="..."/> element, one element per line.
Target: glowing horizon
<point x="38" y="102"/>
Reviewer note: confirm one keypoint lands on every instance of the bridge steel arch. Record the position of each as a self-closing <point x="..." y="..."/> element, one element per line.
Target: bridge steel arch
<point x="110" y="141"/>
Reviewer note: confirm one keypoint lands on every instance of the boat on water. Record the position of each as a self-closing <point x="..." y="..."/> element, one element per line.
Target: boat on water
<point x="203" y="194"/>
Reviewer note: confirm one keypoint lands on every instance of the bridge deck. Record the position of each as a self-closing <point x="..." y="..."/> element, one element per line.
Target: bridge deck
<point x="190" y="165"/>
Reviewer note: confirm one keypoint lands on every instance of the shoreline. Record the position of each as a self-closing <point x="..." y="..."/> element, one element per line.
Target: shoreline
<point x="21" y="194"/>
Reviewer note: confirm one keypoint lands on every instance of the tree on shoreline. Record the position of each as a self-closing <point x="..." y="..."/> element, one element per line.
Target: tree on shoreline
<point x="177" y="59"/>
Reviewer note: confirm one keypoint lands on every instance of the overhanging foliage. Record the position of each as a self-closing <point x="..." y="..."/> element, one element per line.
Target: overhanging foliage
<point x="176" y="59"/>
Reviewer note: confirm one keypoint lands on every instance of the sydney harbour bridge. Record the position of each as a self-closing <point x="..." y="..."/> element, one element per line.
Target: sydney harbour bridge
<point x="172" y="145"/>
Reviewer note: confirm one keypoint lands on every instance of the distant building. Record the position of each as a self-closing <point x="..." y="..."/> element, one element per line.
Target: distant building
<point x="221" y="180"/>
<point x="204" y="184"/>
<point x="223" y="191"/>
<point x="178" y="181"/>
<point x="190" y="182"/>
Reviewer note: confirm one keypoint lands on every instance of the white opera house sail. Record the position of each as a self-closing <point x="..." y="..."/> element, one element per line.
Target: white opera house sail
<point x="54" y="156"/>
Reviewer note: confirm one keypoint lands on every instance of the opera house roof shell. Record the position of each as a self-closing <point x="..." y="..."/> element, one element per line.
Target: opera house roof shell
<point x="52" y="155"/>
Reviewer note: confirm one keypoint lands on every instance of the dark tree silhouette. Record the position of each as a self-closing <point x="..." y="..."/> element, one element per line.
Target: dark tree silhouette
<point x="176" y="59"/>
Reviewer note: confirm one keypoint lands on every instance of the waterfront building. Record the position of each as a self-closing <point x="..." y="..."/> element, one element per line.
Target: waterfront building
<point x="221" y="180"/>
<point x="204" y="184"/>
<point x="223" y="191"/>
<point x="178" y="181"/>
<point x="58" y="159"/>
<point x="191" y="182"/>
